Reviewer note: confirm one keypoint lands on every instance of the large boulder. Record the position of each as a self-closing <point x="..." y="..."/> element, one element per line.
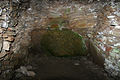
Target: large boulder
<point x="63" y="43"/>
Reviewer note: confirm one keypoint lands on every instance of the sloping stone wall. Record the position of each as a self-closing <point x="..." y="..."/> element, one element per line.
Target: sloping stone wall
<point x="107" y="37"/>
<point x="9" y="34"/>
<point x="4" y="21"/>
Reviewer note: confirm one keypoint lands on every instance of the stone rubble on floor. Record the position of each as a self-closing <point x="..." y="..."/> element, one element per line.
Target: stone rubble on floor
<point x="24" y="70"/>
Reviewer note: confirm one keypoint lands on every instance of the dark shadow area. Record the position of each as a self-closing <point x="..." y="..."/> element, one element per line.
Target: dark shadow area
<point x="62" y="68"/>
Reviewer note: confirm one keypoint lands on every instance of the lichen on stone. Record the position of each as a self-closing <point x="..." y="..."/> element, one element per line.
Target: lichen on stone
<point x="63" y="43"/>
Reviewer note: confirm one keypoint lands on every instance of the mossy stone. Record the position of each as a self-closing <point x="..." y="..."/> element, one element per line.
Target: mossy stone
<point x="63" y="43"/>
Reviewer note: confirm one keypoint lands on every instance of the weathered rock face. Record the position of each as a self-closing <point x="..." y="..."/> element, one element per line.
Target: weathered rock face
<point x="4" y="20"/>
<point x="107" y="36"/>
<point x="63" y="43"/>
<point x="8" y="22"/>
<point x="6" y="38"/>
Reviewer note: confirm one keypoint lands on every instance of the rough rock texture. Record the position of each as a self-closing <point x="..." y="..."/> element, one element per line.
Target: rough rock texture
<point x="63" y="43"/>
<point x="8" y="22"/>
<point x="5" y="34"/>
<point x="107" y="36"/>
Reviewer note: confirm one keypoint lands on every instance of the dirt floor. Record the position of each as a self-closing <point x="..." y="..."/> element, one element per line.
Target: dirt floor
<point x="70" y="68"/>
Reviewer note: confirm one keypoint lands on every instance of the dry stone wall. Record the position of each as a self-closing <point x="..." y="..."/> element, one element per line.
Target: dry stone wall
<point x="7" y="32"/>
<point x="4" y="21"/>
<point x="96" y="21"/>
<point x="9" y="14"/>
<point x="107" y="37"/>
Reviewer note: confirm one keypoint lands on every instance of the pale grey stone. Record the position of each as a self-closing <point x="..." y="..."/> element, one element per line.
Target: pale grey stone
<point x="31" y="73"/>
<point x="6" y="45"/>
<point x="5" y="24"/>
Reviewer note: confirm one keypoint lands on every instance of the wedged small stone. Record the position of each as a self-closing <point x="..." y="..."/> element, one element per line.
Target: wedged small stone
<point x="5" y="36"/>
<point x="31" y="73"/>
<point x="117" y="44"/>
<point x="0" y="11"/>
<point x="29" y="67"/>
<point x="117" y="27"/>
<point x="4" y="17"/>
<point x="1" y="23"/>
<point x="16" y="1"/>
<point x="5" y="9"/>
<point x="6" y="45"/>
<point x="2" y="54"/>
<point x="22" y="69"/>
<point x="10" y="33"/>
<point x="0" y="35"/>
<point x="111" y="16"/>
<point x="1" y="44"/>
<point x="5" y="24"/>
<point x="19" y="75"/>
<point x="1" y="30"/>
<point x="76" y="64"/>
<point x="11" y="29"/>
<point x="9" y="39"/>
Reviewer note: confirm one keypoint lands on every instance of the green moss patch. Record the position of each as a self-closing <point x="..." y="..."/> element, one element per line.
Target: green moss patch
<point x="63" y="43"/>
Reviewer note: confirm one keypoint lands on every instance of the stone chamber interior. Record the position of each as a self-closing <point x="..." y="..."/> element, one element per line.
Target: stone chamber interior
<point x="59" y="40"/>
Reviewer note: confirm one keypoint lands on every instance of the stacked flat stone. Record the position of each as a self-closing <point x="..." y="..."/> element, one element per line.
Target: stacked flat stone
<point x="108" y="39"/>
<point x="6" y="32"/>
